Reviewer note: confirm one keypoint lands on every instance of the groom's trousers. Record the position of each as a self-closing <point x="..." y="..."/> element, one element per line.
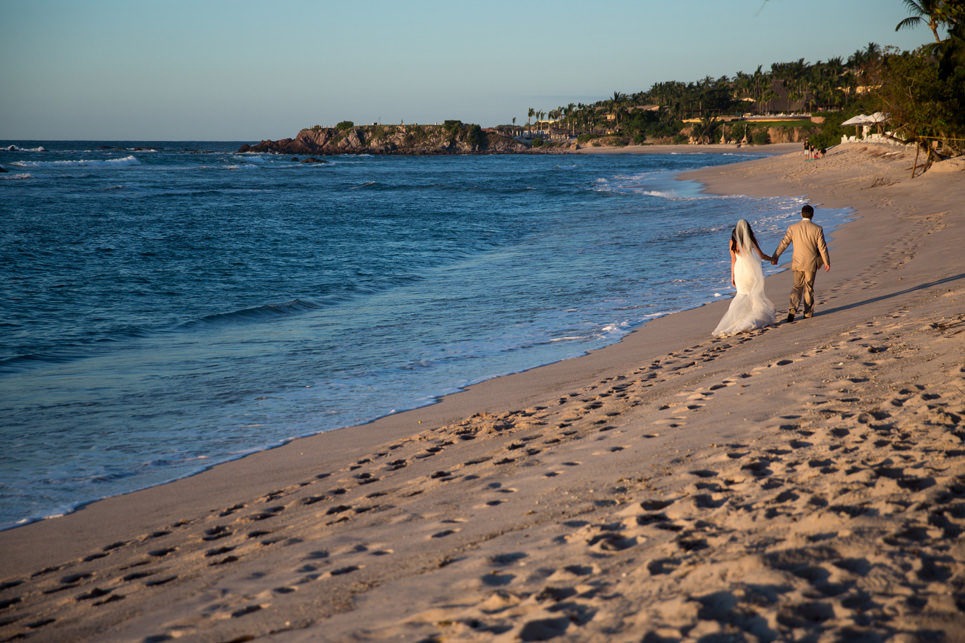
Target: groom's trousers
<point x="803" y="288"/>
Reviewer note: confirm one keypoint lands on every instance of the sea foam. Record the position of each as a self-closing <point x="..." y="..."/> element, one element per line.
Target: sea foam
<point x="108" y="163"/>
<point x="14" y="148"/>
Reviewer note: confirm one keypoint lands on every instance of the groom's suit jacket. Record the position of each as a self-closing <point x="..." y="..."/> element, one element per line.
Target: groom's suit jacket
<point x="810" y="249"/>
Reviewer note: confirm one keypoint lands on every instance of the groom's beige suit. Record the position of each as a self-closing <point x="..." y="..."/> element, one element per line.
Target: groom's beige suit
<point x="810" y="252"/>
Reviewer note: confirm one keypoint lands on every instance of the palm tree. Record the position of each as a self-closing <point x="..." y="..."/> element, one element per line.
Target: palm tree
<point x="761" y="82"/>
<point x="554" y="115"/>
<point x="741" y="86"/>
<point x="928" y="12"/>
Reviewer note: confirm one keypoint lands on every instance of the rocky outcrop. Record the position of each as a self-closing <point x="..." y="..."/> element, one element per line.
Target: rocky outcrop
<point x="453" y="137"/>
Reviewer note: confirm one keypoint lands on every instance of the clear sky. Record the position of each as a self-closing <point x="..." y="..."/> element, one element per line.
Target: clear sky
<point x="252" y="69"/>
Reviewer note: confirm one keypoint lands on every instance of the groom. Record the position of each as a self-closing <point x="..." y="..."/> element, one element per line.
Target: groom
<point x="810" y="251"/>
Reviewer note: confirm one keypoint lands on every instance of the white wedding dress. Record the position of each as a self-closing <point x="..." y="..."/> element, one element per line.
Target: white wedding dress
<point x="750" y="307"/>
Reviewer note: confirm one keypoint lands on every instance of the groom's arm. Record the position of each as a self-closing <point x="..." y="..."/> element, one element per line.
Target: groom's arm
<point x="823" y="250"/>
<point x="785" y="242"/>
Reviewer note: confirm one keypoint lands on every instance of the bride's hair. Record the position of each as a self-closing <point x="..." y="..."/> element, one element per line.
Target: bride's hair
<point x="741" y="235"/>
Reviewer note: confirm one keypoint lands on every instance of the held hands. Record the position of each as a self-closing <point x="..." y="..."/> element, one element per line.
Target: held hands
<point x="773" y="261"/>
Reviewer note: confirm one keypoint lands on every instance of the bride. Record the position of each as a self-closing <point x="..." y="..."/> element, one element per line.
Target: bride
<point x="750" y="308"/>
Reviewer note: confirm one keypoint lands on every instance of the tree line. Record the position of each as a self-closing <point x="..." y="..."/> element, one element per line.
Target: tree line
<point x="922" y="91"/>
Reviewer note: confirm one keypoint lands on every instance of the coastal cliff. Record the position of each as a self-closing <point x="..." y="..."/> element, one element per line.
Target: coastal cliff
<point x="452" y="137"/>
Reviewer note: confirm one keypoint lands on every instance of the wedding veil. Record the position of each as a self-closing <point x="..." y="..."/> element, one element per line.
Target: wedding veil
<point x="744" y="237"/>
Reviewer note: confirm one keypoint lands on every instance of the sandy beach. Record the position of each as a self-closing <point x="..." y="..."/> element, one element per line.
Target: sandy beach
<point x="801" y="482"/>
<point x="713" y="148"/>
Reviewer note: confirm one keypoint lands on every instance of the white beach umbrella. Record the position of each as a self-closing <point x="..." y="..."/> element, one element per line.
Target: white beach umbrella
<point x="857" y="121"/>
<point x="877" y="119"/>
<point x="860" y="119"/>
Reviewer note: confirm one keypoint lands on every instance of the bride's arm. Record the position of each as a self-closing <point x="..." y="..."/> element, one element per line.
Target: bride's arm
<point x="763" y="256"/>
<point x="733" y="258"/>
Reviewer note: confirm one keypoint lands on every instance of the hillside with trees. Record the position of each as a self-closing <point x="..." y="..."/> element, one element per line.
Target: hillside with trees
<point x="921" y="91"/>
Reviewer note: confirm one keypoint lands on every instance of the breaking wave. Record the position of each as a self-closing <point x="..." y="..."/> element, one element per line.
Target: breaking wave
<point x="14" y="148"/>
<point x="120" y="162"/>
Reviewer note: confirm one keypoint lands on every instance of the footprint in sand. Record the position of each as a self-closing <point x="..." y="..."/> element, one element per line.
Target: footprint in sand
<point x="224" y="561"/>
<point x="497" y="579"/>
<point x="662" y="566"/>
<point x="444" y="533"/>
<point x="270" y="512"/>
<point x="507" y="559"/>
<point x="232" y="509"/>
<point x="160" y="553"/>
<point x="341" y="571"/>
<point x="611" y="540"/>
<point x="244" y="611"/>
<point x="218" y="551"/>
<point x="137" y="575"/>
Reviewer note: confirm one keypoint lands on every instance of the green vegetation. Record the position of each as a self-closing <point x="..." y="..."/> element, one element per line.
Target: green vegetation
<point x="415" y="135"/>
<point x="923" y="93"/>
<point x="475" y="136"/>
<point x="831" y="131"/>
<point x="706" y="131"/>
<point x="658" y="114"/>
<point x="760" y="136"/>
<point x="472" y="134"/>
<point x="643" y="124"/>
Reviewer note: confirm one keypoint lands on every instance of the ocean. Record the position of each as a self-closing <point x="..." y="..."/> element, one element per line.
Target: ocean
<point x="168" y="306"/>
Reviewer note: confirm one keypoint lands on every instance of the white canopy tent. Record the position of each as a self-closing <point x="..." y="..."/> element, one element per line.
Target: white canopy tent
<point x="860" y="119"/>
<point x="865" y="121"/>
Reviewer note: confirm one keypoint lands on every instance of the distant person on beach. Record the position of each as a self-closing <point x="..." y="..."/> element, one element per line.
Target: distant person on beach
<point x="810" y="251"/>
<point x="750" y="308"/>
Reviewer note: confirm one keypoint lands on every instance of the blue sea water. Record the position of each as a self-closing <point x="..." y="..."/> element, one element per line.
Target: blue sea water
<point x="168" y="306"/>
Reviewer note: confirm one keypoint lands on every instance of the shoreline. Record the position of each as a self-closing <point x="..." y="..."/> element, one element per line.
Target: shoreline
<point x="712" y="148"/>
<point x="591" y="395"/>
<point x="436" y="398"/>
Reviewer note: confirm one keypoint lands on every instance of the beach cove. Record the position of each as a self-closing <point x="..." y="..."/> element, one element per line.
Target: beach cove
<point x="807" y="479"/>
<point x="173" y="307"/>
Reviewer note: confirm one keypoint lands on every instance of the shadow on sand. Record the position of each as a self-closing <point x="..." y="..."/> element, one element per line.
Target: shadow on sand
<point x="923" y="286"/>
